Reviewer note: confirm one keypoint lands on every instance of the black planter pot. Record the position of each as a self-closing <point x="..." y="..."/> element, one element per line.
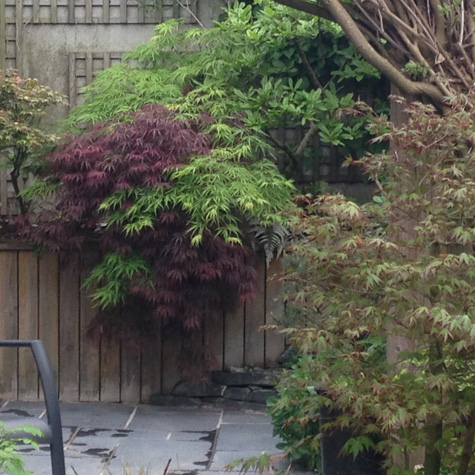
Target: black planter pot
<point x="333" y="463"/>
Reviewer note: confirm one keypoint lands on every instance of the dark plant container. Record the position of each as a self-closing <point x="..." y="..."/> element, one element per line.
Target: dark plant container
<point x="334" y="463"/>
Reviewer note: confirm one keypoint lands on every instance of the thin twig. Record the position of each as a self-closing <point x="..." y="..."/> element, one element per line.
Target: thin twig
<point x="191" y="12"/>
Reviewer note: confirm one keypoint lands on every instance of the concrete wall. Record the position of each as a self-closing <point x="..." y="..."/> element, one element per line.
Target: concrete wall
<point x="64" y="43"/>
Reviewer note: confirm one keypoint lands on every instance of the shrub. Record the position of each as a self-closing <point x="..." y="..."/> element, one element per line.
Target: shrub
<point x="400" y="267"/>
<point x="168" y="204"/>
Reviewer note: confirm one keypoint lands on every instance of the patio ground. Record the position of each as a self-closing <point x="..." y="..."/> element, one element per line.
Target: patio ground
<point x="103" y="438"/>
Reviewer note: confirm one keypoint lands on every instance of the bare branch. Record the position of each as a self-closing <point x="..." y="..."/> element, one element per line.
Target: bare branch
<point x="362" y="45"/>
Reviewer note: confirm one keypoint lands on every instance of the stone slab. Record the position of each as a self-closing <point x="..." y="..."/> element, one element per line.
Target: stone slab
<point x="246" y="437"/>
<point x="97" y="415"/>
<point x="151" y="418"/>
<point x="143" y="452"/>
<point x="241" y="417"/>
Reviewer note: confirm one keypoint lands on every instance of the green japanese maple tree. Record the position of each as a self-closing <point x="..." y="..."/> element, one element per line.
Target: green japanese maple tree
<point x="360" y="274"/>
<point x="23" y="102"/>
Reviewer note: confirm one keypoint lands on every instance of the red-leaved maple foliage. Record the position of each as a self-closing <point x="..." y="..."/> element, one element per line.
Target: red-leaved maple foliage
<point x="186" y="283"/>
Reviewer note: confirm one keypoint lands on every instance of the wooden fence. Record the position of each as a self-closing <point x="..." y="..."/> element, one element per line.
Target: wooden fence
<point x="42" y="297"/>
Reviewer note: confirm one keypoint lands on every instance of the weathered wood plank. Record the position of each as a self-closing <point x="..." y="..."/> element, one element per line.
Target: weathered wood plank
<point x="254" y="319"/>
<point x="54" y="11"/>
<point x="274" y="342"/>
<point x="3" y="37"/>
<point x="214" y="337"/>
<point x="89" y="61"/>
<point x="234" y="338"/>
<point x="107" y="60"/>
<point x="130" y="375"/>
<point x="123" y="11"/>
<point x="36" y="11"/>
<point x="49" y="308"/>
<point x="71" y="12"/>
<point x="8" y="323"/>
<point x="88" y="11"/>
<point x="72" y="81"/>
<point x="171" y="350"/>
<point x="106" y="15"/>
<point x="89" y="355"/>
<point x="151" y="369"/>
<point x="69" y="272"/>
<point x="110" y="371"/>
<point x="19" y="36"/>
<point x="27" y="324"/>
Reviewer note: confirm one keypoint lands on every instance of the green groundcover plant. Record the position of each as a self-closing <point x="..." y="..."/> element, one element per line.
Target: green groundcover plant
<point x="402" y="267"/>
<point x="11" y="461"/>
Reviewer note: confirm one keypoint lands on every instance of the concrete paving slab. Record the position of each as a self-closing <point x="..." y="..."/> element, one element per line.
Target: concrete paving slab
<point x="195" y="441"/>
<point x="224" y="457"/>
<point x="23" y="409"/>
<point x="141" y="452"/>
<point x="153" y="418"/>
<point x="246" y="438"/>
<point x="98" y="415"/>
<point x="246" y="417"/>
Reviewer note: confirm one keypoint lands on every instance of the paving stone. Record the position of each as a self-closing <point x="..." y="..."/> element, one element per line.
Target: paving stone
<point x="222" y="458"/>
<point x="246" y="417"/>
<point x="23" y="409"/>
<point x="98" y="415"/>
<point x="151" y="418"/>
<point x="246" y="437"/>
<point x="146" y="452"/>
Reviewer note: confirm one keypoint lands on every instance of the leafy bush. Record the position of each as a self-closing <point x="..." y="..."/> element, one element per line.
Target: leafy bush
<point x="270" y="65"/>
<point x="11" y="461"/>
<point x="23" y="102"/>
<point x="169" y="204"/>
<point x="295" y="420"/>
<point x="400" y="268"/>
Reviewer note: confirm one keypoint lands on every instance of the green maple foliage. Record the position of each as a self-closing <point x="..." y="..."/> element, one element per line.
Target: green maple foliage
<point x="401" y="266"/>
<point x="23" y="102"/>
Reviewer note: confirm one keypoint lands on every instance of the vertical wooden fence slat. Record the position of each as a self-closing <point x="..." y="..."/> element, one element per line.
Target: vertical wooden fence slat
<point x="171" y="350"/>
<point x="107" y="60"/>
<point x="3" y="192"/>
<point x="151" y="369"/>
<point x="89" y="355"/>
<point x="110" y="371"/>
<point x="9" y="323"/>
<point x="3" y="36"/>
<point x="36" y="11"/>
<point x="234" y="338"/>
<point x="54" y="11"/>
<point x="71" y="12"/>
<point x="88" y="68"/>
<point x="69" y="270"/>
<point x="141" y="13"/>
<point x="129" y="375"/>
<point x="72" y="81"/>
<point x="274" y="342"/>
<point x="123" y="11"/>
<point x="27" y="324"/>
<point x="49" y="309"/>
<point x="255" y="318"/>
<point x="19" y="35"/>
<point x="106" y="16"/>
<point x="88" y="11"/>
<point x="214" y="337"/>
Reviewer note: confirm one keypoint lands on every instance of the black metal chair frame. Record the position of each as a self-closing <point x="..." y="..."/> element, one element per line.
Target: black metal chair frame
<point x="55" y="438"/>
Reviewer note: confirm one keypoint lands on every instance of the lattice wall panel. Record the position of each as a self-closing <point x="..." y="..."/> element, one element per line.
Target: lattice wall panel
<point x="15" y="15"/>
<point x="83" y="68"/>
<point x="102" y="11"/>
